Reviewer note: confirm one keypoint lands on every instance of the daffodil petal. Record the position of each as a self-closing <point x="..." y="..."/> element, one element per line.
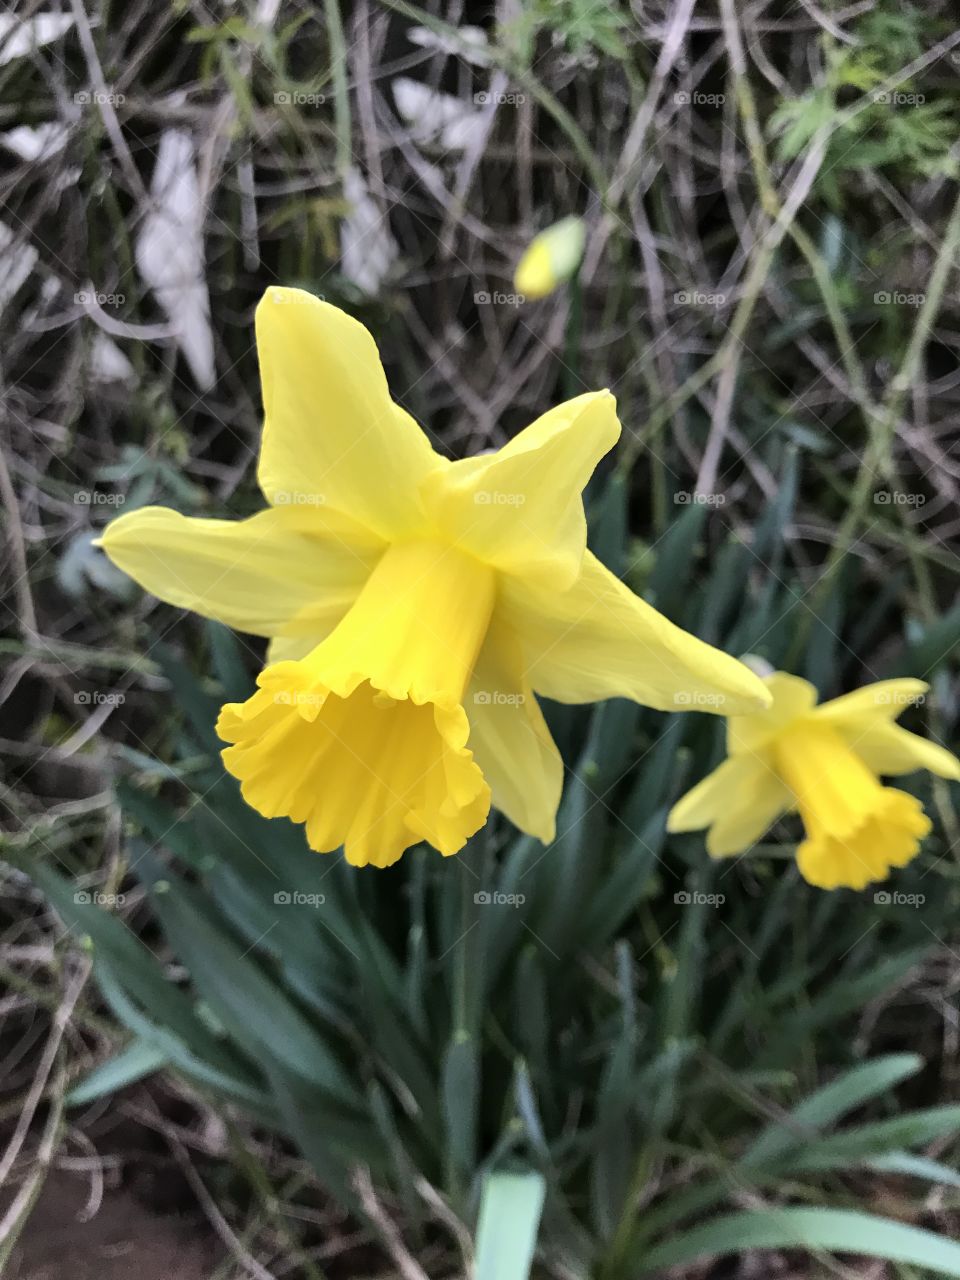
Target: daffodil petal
<point x="598" y="640"/>
<point x="520" y="509"/>
<point x="738" y="801"/>
<point x="793" y="698"/>
<point x="864" y="718"/>
<point x="763" y="800"/>
<point x="331" y="430"/>
<point x="890" y="750"/>
<point x="510" y="740"/>
<point x="291" y="648"/>
<point x="278" y="573"/>
<point x="883" y="701"/>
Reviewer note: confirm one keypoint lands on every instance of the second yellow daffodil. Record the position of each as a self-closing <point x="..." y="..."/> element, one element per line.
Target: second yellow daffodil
<point x="826" y="762"/>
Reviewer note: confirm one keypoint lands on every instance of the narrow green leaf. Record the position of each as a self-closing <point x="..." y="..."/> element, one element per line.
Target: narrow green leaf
<point x="510" y="1209"/>
<point x="140" y="1058"/>
<point x="461" y="1087"/>
<point x="916" y="1167"/>
<point x="834" y="1230"/>
<point x="828" y="1104"/>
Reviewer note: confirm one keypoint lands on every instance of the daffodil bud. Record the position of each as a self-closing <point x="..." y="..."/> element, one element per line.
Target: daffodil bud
<point x="551" y="258"/>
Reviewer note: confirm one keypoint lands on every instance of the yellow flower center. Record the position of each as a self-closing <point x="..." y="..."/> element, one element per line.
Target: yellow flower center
<point x="365" y="738"/>
<point x="857" y="829"/>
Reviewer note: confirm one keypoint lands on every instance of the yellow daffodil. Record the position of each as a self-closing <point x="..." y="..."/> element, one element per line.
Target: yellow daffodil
<point x="826" y="762"/>
<point x="551" y="258"/>
<point x="413" y="604"/>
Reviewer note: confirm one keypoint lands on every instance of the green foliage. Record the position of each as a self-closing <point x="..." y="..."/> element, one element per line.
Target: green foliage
<point x="586" y="1021"/>
<point x="886" y="122"/>
<point x="650" y="1063"/>
<point x="579" y="26"/>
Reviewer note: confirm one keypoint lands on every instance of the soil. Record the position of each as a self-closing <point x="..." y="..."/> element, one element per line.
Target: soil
<point x="123" y="1240"/>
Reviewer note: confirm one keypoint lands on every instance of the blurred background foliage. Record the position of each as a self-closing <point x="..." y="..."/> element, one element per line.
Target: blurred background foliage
<point x="682" y="1059"/>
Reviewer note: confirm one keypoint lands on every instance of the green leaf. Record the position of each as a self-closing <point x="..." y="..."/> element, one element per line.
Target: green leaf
<point x="834" y="1230"/>
<point x="238" y="1083"/>
<point x="854" y="1146"/>
<point x="510" y="1209"/>
<point x="255" y="1010"/>
<point x="461" y="1092"/>
<point x="828" y="1104"/>
<point x="140" y="1058"/>
<point x="915" y="1167"/>
<point x="669" y="582"/>
<point x="936" y="645"/>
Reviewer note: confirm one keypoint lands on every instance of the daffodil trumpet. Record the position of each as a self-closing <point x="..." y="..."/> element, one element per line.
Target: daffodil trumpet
<point x="825" y="762"/>
<point x="414" y="605"/>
